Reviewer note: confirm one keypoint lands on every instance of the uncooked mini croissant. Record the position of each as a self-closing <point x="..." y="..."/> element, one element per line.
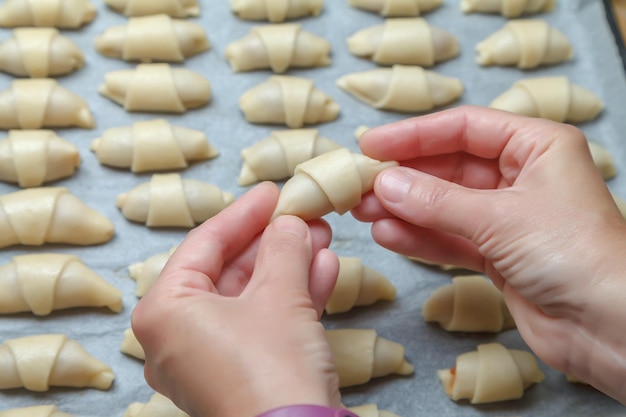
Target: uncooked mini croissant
<point x="147" y="272"/>
<point x="167" y="200"/>
<point x="66" y="14"/>
<point x="507" y="8"/>
<point x="275" y="11"/>
<point x="360" y="355"/>
<point x="553" y="98"/>
<point x="39" y="53"/>
<point x="157" y="406"/>
<point x="278" y="47"/>
<point x="491" y="373"/>
<point x="37" y="103"/>
<point x="603" y="159"/>
<point x="39" y="362"/>
<point x="50" y="214"/>
<point x="32" y="157"/>
<point x="43" y="282"/>
<point x="397" y="8"/>
<point x="153" y="38"/>
<point x="525" y="43"/>
<point x="174" y="8"/>
<point x="157" y="88"/>
<point x="35" y="411"/>
<point x="152" y="146"/>
<point x="408" y="41"/>
<point x="293" y="101"/>
<point x="130" y="345"/>
<point x="333" y="181"/>
<point x="358" y="285"/>
<point x="370" y="410"/>
<point x="470" y="304"/>
<point x="402" y="88"/>
<point x="275" y="157"/>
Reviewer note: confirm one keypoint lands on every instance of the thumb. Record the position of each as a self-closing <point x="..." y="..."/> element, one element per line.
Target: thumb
<point x="431" y="202"/>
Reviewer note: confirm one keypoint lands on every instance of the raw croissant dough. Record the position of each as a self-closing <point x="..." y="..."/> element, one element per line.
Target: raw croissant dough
<point x="275" y="11"/>
<point x="41" y="283"/>
<point x="279" y="47"/>
<point x="39" y="53"/>
<point x="402" y="88"/>
<point x="491" y="373"/>
<point x="37" y="103"/>
<point x="152" y="146"/>
<point x="66" y="14"/>
<point x="158" y="406"/>
<point x="153" y="38"/>
<point x="32" y="157"/>
<point x="157" y="88"/>
<point x="553" y="98"/>
<point x="360" y="355"/>
<point x="470" y="304"/>
<point x="275" y="157"/>
<point x="525" y="43"/>
<point x="333" y="181"/>
<point x="603" y="159"/>
<point x="147" y="272"/>
<point x="293" y="101"/>
<point x="507" y="8"/>
<point x="358" y="285"/>
<point x="35" y="411"/>
<point x="369" y="410"/>
<point x="50" y="214"/>
<point x="174" y="8"/>
<point x="130" y="345"/>
<point x="408" y="41"/>
<point x="38" y="362"/>
<point x="167" y="200"/>
<point x="397" y="8"/>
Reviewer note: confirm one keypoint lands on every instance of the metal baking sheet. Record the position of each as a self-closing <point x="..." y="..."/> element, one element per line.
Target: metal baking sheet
<point x="596" y="66"/>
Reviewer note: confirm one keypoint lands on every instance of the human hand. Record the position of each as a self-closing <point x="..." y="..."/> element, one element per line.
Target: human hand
<point x="231" y="327"/>
<point x="520" y="200"/>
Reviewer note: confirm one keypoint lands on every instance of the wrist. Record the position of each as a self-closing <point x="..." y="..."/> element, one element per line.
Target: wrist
<point x="307" y="410"/>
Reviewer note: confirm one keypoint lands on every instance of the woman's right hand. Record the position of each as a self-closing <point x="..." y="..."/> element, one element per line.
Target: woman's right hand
<point x="521" y="200"/>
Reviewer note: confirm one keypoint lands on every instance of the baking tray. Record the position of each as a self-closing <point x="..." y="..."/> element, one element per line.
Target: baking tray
<point x="597" y="66"/>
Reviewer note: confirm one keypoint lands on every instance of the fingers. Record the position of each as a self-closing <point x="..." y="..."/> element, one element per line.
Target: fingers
<point x="323" y="276"/>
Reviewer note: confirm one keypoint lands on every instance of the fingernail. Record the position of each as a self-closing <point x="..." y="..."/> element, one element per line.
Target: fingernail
<point x="291" y="224"/>
<point x="394" y="185"/>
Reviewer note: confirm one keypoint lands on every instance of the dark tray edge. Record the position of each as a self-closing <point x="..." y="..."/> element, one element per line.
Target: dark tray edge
<point x="610" y="17"/>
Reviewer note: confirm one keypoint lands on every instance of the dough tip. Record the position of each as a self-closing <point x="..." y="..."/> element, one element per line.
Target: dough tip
<point x="103" y="380"/>
<point x="121" y="200"/>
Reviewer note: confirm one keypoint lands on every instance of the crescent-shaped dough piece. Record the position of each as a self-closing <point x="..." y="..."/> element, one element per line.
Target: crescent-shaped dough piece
<point x="526" y="44"/>
<point x="35" y="411"/>
<point x="470" y="304"/>
<point x="130" y="345"/>
<point x="39" y="53"/>
<point x="50" y="214"/>
<point x="167" y="200"/>
<point x="293" y="101"/>
<point x="358" y="285"/>
<point x="507" y="8"/>
<point x="65" y="14"/>
<point x="278" y="47"/>
<point x="153" y="38"/>
<point x="37" y="103"/>
<point x="275" y="11"/>
<point x="407" y="41"/>
<point x="370" y="410"/>
<point x="360" y="355"/>
<point x="553" y="98"/>
<point x="397" y="8"/>
<point x="32" y="157"/>
<point x="276" y="157"/>
<point x="157" y="406"/>
<point x="152" y="145"/>
<point x="402" y="88"/>
<point x="491" y="373"/>
<point x="333" y="181"/>
<point x="147" y="272"/>
<point x="174" y="8"/>
<point x="43" y="282"/>
<point x="39" y="362"/>
<point x="603" y="159"/>
<point x="157" y="88"/>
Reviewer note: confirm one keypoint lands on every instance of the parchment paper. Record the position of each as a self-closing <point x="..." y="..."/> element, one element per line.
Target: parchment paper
<point x="596" y="66"/>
